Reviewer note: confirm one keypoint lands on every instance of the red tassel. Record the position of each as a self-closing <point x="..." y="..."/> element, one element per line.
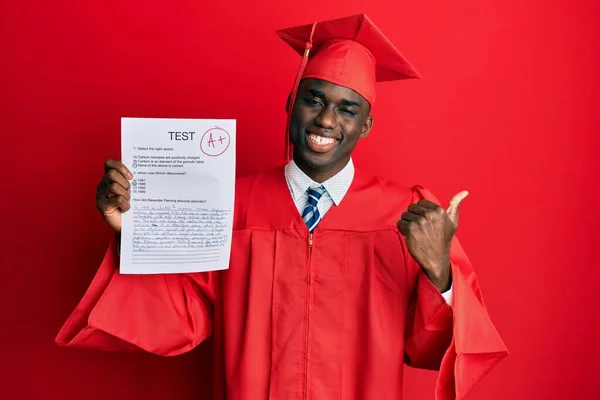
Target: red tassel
<point x="288" y="146"/>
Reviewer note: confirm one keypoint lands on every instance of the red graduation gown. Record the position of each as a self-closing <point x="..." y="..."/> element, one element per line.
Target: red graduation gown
<point x="335" y="320"/>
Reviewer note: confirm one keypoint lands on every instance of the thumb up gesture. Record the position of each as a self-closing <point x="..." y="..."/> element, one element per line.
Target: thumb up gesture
<point x="428" y="230"/>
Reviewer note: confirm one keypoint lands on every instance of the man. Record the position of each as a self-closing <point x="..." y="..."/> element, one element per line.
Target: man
<point x="328" y="293"/>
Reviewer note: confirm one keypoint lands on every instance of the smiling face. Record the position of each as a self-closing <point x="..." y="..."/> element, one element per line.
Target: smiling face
<point x="327" y="122"/>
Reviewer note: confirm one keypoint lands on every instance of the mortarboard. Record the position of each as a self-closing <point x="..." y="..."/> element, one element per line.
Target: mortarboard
<point x="350" y="52"/>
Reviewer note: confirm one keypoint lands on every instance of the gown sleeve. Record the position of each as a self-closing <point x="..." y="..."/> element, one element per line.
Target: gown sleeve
<point x="459" y="340"/>
<point x="165" y="314"/>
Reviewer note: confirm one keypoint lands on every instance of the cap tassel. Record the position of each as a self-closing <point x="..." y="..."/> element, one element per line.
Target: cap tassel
<point x="288" y="147"/>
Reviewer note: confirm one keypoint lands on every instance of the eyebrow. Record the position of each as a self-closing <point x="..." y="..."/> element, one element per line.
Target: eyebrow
<point x="316" y="93"/>
<point x="350" y="103"/>
<point x="346" y="102"/>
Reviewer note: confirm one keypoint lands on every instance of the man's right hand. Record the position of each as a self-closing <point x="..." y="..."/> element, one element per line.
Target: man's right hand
<point x="113" y="193"/>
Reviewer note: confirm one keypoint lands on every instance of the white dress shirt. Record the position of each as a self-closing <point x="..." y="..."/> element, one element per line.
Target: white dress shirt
<point x="336" y="188"/>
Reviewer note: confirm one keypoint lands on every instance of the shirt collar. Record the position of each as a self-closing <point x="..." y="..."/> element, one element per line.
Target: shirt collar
<point x="337" y="186"/>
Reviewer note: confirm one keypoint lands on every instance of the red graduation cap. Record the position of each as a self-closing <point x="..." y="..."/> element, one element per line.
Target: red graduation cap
<point x="350" y="52"/>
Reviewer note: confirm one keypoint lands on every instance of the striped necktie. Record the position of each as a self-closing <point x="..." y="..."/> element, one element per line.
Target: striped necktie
<point x="311" y="215"/>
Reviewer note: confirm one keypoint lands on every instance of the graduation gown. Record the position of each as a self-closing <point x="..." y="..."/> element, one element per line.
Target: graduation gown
<point x="332" y="316"/>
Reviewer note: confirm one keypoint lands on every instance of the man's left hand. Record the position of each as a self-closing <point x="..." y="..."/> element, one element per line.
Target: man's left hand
<point x="428" y="230"/>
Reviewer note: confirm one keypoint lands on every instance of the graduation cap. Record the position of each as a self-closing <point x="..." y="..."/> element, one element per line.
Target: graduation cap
<point x="350" y="52"/>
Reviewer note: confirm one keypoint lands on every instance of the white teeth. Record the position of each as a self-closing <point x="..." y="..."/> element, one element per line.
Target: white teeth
<point x="320" y="140"/>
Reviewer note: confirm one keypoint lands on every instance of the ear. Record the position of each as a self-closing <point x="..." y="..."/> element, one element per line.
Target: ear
<point x="366" y="127"/>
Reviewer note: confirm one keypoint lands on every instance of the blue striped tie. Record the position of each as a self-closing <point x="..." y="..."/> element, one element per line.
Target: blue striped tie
<point x="311" y="215"/>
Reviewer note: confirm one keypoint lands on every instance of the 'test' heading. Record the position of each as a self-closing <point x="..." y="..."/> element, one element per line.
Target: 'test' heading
<point x="182" y="135"/>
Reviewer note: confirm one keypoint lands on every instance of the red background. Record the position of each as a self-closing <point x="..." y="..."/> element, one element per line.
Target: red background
<point x="507" y="108"/>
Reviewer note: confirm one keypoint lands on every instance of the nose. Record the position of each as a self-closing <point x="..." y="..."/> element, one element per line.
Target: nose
<point x="327" y="118"/>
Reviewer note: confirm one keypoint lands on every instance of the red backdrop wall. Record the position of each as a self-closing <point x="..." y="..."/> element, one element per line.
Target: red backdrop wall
<point x="507" y="108"/>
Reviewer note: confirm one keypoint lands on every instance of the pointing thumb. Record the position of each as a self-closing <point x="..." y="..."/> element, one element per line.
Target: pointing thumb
<point x="454" y="206"/>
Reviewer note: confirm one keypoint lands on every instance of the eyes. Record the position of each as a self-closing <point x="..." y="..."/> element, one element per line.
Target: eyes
<point x="318" y="103"/>
<point x="314" y="102"/>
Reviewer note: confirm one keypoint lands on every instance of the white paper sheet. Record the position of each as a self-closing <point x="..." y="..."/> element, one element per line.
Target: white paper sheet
<point x="182" y="195"/>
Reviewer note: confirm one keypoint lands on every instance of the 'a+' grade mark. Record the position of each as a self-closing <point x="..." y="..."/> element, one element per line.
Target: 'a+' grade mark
<point x="215" y="142"/>
<point x="211" y="141"/>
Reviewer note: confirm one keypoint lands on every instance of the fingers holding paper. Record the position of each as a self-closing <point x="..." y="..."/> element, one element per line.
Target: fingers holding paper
<point x="113" y="193"/>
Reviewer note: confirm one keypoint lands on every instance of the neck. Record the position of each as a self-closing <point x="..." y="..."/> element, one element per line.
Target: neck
<point x="320" y="175"/>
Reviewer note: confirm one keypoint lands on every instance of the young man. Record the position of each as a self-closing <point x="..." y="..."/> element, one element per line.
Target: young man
<point x="328" y="293"/>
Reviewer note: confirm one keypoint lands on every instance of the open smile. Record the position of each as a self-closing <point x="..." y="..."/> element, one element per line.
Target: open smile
<point x="320" y="144"/>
